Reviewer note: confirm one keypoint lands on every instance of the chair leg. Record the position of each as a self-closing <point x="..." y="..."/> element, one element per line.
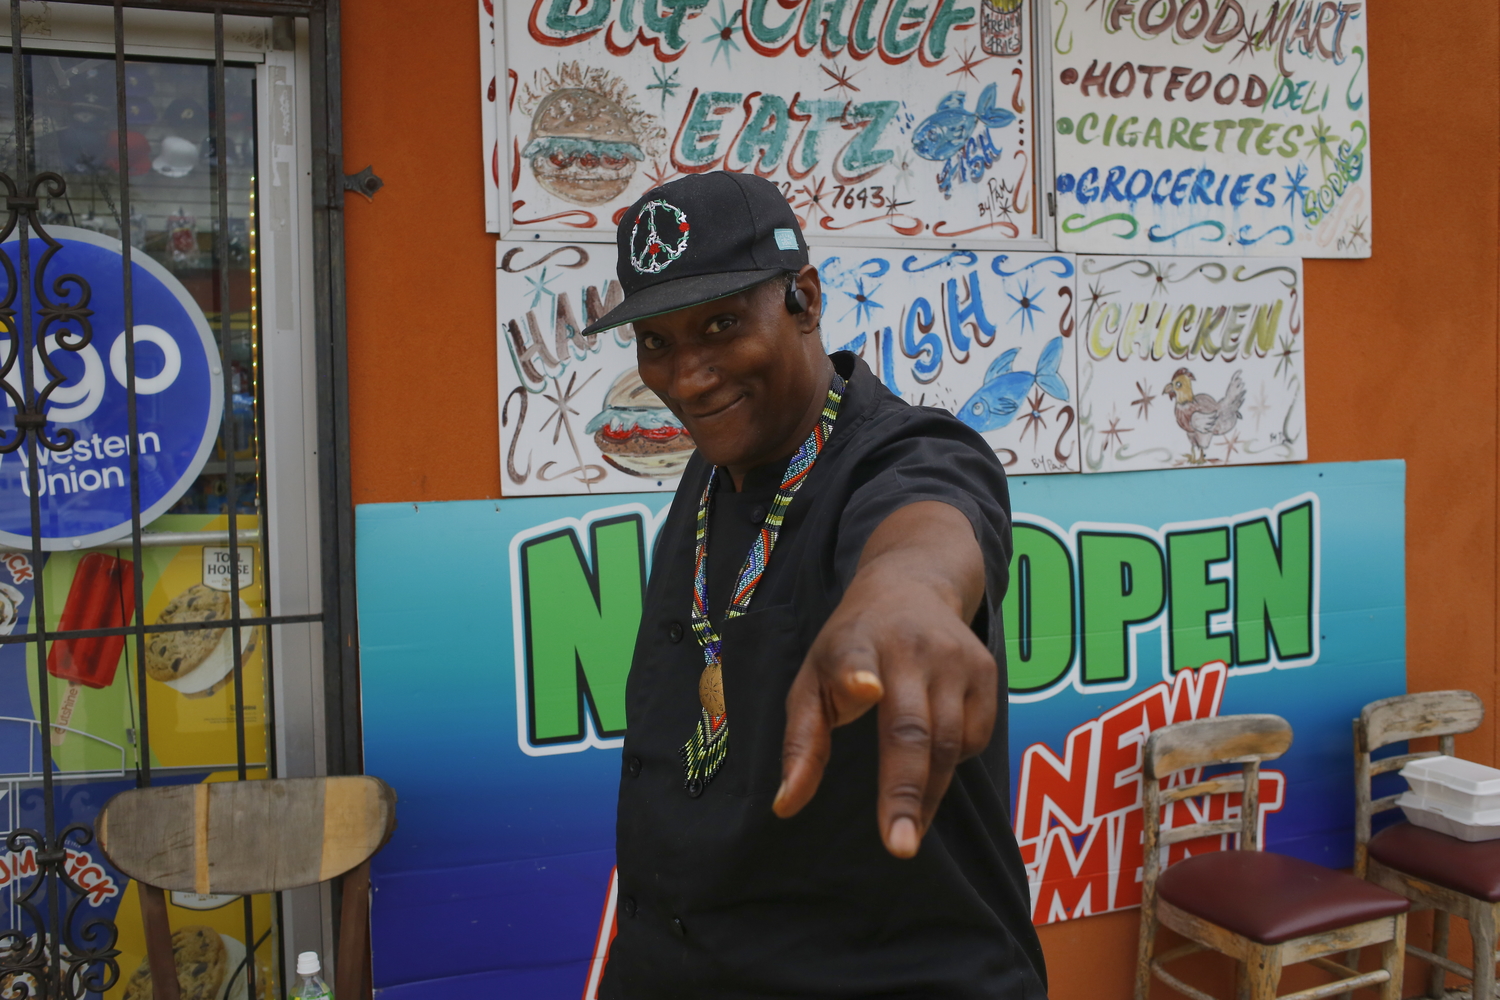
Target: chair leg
<point x="1393" y="960"/>
<point x="1263" y="973"/>
<point x="1482" y="932"/>
<point x="1351" y="959"/>
<point x="1144" y="948"/>
<point x="158" y="942"/>
<point x="354" y="925"/>
<point x="1436" y="976"/>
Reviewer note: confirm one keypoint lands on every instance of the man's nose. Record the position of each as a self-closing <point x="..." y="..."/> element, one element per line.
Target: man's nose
<point x="693" y="375"/>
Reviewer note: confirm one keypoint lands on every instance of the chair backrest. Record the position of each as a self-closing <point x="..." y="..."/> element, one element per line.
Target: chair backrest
<point x="1229" y="739"/>
<point x="1391" y="720"/>
<point x="246" y="837"/>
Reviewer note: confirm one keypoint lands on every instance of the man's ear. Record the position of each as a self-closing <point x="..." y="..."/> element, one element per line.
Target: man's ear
<point x="807" y="290"/>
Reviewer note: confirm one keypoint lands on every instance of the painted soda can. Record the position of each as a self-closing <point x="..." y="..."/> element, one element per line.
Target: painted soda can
<point x="1000" y="27"/>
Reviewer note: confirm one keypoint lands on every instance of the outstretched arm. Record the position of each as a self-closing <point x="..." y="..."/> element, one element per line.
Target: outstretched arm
<point x="899" y="639"/>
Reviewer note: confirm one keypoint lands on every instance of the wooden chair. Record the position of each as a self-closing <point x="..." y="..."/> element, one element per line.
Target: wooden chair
<point x="247" y="837"/>
<point x="1265" y="911"/>
<point x="1433" y="870"/>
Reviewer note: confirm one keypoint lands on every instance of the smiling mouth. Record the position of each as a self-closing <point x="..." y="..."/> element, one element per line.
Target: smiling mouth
<point x="714" y="413"/>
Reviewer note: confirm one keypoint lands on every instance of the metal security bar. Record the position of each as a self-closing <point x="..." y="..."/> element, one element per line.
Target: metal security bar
<point x="53" y="947"/>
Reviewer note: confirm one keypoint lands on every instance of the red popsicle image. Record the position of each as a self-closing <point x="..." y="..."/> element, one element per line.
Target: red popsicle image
<point x="102" y="596"/>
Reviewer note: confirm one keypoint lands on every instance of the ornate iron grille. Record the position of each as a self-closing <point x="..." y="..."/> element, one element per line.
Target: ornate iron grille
<point x="54" y="948"/>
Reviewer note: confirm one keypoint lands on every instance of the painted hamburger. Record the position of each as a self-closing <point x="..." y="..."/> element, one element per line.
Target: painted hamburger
<point x="582" y="146"/>
<point x="637" y="434"/>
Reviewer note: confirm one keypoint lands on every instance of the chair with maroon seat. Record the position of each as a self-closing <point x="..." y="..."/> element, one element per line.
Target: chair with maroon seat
<point x="1266" y="911"/>
<point x="1433" y="870"/>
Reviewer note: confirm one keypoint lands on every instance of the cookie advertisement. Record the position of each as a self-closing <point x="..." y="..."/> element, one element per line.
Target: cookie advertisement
<point x="881" y="121"/>
<point x="1186" y="362"/>
<point x="94" y="683"/>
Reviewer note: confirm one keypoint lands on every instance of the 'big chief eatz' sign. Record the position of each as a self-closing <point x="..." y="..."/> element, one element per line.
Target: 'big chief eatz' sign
<point x="1135" y="601"/>
<point x="1227" y="127"/>
<point x="879" y="119"/>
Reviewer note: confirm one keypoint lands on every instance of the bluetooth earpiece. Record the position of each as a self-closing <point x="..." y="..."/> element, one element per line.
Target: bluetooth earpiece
<point x="796" y="300"/>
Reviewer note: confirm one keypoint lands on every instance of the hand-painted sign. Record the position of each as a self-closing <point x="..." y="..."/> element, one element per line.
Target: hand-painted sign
<point x="84" y="489"/>
<point x="1234" y="127"/>
<point x="1135" y="602"/>
<point x="1190" y="361"/>
<point x="988" y="336"/>
<point x="879" y="120"/>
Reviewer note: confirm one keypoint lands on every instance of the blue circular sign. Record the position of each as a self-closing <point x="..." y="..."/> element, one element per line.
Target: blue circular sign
<point x="85" y="489"/>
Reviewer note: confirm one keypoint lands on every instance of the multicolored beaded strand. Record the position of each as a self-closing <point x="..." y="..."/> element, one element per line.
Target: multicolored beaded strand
<point x="704" y="753"/>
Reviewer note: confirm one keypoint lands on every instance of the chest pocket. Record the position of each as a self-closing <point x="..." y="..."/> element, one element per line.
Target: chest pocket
<point x="762" y="653"/>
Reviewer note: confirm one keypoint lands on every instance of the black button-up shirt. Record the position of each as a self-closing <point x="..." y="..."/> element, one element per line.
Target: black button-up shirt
<point x="719" y="897"/>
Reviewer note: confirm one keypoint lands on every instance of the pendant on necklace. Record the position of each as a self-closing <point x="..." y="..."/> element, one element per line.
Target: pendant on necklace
<point x="711" y="692"/>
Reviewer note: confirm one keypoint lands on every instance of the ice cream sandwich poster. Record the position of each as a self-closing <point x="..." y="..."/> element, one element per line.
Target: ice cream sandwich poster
<point x="882" y="120"/>
<point x="92" y="719"/>
<point x="988" y="336"/>
<point x="1186" y="362"/>
<point x="1227" y="127"/>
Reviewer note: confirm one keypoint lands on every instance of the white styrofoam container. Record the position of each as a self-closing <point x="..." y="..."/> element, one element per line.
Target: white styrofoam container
<point x="1463" y="783"/>
<point x="1455" y="821"/>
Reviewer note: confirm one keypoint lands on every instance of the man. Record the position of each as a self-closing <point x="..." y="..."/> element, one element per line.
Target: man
<point x="831" y="550"/>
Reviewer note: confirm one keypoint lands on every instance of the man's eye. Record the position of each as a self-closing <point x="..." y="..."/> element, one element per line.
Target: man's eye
<point x="721" y="324"/>
<point x="652" y="342"/>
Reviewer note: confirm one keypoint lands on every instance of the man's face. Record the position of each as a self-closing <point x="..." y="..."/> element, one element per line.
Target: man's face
<point x="740" y="372"/>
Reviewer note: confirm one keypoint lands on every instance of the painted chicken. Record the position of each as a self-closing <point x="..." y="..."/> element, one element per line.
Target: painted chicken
<point x="1202" y="416"/>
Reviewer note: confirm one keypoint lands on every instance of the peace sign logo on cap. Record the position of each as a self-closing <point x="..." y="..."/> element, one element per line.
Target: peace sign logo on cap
<point x="656" y="252"/>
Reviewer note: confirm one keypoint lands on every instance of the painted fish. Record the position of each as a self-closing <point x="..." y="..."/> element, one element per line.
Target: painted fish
<point x="946" y="130"/>
<point x="999" y="399"/>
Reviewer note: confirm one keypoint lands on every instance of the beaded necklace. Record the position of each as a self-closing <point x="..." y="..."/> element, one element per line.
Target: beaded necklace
<point x="704" y="752"/>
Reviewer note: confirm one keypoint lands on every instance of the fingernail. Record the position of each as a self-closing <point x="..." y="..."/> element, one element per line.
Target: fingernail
<point x="904" y="842"/>
<point x="866" y="678"/>
<point x="776" y="802"/>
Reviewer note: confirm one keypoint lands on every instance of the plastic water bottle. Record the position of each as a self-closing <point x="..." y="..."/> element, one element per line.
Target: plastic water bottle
<point x="312" y="986"/>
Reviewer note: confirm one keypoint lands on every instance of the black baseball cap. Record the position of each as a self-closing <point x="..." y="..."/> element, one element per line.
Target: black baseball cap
<point x="701" y="238"/>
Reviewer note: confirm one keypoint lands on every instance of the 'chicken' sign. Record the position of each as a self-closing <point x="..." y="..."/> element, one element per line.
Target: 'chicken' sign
<point x="1189" y="361"/>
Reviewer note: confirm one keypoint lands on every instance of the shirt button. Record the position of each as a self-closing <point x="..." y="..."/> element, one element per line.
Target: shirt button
<point x="634" y="767"/>
<point x="677" y="926"/>
<point x="674" y="631"/>
<point x="627" y="905"/>
<point x="758" y="515"/>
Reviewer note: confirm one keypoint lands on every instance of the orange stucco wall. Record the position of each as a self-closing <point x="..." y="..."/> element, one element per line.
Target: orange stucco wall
<point x="1401" y="348"/>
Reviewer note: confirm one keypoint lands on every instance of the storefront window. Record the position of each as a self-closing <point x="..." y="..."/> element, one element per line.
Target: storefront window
<point x="189" y="709"/>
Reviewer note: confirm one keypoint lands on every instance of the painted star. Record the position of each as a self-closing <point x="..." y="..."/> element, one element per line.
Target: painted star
<point x="967" y="63"/>
<point x="1035" y="421"/>
<point x="1284" y="356"/>
<point x="1114" y="431"/>
<point x="539" y="288"/>
<point x="812" y="197"/>
<point x="1357" y="232"/>
<point x="1247" y="40"/>
<point x="1294" y="187"/>
<point x="1229" y="446"/>
<point x="1325" y="142"/>
<point x="864" y="302"/>
<point x="842" y="79"/>
<point x="1026" y="307"/>
<point x="665" y="82"/>
<point x="724" y="33"/>
<point x="1260" y="407"/>
<point x="1097" y="295"/>
<point x="1143" y="404"/>
<point x="659" y="173"/>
